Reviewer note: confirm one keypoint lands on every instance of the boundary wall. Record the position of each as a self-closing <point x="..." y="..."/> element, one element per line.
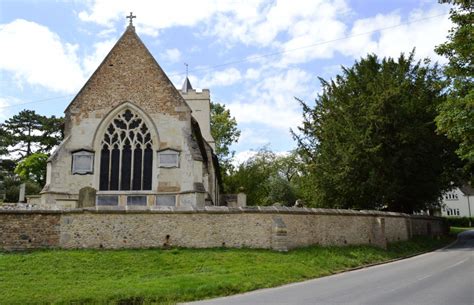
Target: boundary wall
<point x="278" y="228"/>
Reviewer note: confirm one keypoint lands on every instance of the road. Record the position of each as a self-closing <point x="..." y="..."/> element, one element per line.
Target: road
<point x="444" y="277"/>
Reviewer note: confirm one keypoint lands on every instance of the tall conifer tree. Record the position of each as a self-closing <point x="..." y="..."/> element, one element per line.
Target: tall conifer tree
<point x="370" y="140"/>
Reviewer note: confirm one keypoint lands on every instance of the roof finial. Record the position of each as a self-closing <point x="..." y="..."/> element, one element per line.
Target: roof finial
<point x="131" y="18"/>
<point x="187" y="66"/>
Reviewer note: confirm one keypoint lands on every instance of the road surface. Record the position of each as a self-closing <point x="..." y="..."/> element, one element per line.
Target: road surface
<point x="444" y="277"/>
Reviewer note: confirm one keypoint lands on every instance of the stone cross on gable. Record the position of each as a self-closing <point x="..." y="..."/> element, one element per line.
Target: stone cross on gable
<point x="131" y="18"/>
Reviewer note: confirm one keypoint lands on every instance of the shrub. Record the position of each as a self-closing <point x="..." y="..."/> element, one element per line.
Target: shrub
<point x="459" y="221"/>
<point x="12" y="188"/>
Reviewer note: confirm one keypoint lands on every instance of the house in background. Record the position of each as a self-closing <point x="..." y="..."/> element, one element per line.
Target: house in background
<point x="458" y="202"/>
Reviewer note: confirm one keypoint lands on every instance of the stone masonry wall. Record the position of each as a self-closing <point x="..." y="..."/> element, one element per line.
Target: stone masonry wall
<point x="278" y="228"/>
<point x="24" y="230"/>
<point x="423" y="226"/>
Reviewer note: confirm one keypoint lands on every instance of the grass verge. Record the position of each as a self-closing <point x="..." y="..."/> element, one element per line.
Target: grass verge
<point x="155" y="276"/>
<point x="456" y="230"/>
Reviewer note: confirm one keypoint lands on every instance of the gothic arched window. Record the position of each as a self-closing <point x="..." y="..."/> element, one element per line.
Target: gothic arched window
<point x="126" y="155"/>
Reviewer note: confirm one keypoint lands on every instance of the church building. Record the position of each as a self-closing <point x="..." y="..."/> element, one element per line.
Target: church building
<point x="131" y="139"/>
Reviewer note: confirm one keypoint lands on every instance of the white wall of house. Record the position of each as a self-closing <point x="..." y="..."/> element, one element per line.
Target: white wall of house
<point x="456" y="203"/>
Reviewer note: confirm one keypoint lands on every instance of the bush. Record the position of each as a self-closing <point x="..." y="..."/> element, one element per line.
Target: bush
<point x="459" y="221"/>
<point x="12" y="189"/>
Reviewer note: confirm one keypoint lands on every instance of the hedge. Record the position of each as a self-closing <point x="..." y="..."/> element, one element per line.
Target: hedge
<point x="459" y="221"/>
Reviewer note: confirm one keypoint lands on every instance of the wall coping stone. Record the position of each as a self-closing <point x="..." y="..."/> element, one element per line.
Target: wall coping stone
<point x="216" y="210"/>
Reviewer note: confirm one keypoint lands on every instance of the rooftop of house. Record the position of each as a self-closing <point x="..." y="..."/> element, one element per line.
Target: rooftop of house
<point x="467" y="190"/>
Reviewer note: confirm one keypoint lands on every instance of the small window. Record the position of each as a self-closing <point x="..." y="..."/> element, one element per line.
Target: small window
<point x="451" y="196"/>
<point x="82" y="162"/>
<point x="166" y="200"/>
<point x="168" y="158"/>
<point x="107" y="200"/>
<point x="136" y="200"/>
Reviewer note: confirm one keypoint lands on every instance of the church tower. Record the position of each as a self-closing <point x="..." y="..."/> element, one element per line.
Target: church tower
<point x="200" y="103"/>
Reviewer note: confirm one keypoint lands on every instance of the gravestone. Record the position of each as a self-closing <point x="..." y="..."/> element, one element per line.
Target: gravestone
<point x="241" y="199"/>
<point x="21" y="197"/>
<point x="86" y="197"/>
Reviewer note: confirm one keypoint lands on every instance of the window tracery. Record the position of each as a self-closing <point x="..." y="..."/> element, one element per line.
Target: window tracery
<point x="126" y="154"/>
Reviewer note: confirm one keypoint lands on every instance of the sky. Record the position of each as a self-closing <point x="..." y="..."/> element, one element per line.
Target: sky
<point x="255" y="56"/>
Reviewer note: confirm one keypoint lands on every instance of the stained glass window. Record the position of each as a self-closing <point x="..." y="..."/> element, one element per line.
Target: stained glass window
<point x="126" y="154"/>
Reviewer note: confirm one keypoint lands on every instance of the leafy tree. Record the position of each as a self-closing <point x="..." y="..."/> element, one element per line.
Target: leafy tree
<point x="266" y="179"/>
<point x="288" y="166"/>
<point x="52" y="131"/>
<point x="12" y="188"/>
<point x="28" y="132"/>
<point x="33" y="168"/>
<point x="456" y="114"/>
<point x="225" y="132"/>
<point x="370" y="140"/>
<point x="252" y="175"/>
<point x="7" y="168"/>
<point x="280" y="191"/>
<point x="4" y="143"/>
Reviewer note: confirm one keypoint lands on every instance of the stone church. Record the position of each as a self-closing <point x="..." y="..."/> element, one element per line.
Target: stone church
<point x="132" y="140"/>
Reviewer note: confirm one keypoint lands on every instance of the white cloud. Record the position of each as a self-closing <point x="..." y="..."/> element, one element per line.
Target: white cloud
<point x="153" y="16"/>
<point x="38" y="56"/>
<point x="295" y="18"/>
<point x="243" y="156"/>
<point x="319" y="39"/>
<point x="256" y="22"/>
<point x="252" y="74"/>
<point x="251" y="136"/>
<point x="5" y="103"/>
<point x="171" y="55"/>
<point x="420" y="32"/>
<point x="311" y="43"/>
<point x="331" y="70"/>
<point x="225" y="77"/>
<point x="3" y="110"/>
<point x="271" y="101"/>
<point x="107" y="32"/>
<point x="285" y="25"/>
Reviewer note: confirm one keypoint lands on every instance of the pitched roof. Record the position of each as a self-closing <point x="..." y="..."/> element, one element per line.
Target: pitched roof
<point x="129" y="72"/>
<point x="467" y="190"/>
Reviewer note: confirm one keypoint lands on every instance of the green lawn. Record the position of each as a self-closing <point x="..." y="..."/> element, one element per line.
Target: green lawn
<point x="457" y="230"/>
<point x="156" y="276"/>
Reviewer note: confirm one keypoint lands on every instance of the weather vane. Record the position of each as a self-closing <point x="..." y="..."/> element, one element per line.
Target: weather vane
<point x="131" y="18"/>
<point x="186" y="69"/>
